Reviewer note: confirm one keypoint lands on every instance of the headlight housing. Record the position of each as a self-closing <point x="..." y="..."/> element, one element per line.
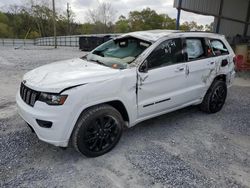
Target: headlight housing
<point x="52" y="99"/>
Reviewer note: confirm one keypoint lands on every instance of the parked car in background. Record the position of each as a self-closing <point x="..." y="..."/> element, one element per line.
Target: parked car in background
<point x="137" y="76"/>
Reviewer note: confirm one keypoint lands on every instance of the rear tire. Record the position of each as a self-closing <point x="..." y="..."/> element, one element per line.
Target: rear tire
<point x="97" y="130"/>
<point x="215" y="97"/>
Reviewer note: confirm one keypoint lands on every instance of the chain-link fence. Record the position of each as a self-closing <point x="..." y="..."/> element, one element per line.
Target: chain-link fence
<point x="16" y="42"/>
<point x="71" y="40"/>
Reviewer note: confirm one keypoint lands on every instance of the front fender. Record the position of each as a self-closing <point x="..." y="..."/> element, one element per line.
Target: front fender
<point x="120" y="89"/>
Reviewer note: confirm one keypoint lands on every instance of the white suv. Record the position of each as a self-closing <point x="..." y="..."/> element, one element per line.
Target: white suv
<point x="122" y="82"/>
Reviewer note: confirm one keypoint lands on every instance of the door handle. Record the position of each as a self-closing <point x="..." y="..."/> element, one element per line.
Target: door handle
<point x="179" y="69"/>
<point x="211" y="63"/>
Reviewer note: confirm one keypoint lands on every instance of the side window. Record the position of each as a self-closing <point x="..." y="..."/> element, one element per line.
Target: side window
<point x="218" y="47"/>
<point x="167" y="53"/>
<point x="195" y="48"/>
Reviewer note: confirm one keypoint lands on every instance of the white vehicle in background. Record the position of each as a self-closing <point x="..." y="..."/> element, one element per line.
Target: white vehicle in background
<point x="122" y="82"/>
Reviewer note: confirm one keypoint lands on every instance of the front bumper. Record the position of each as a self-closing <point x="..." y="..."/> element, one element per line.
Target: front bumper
<point x="58" y="115"/>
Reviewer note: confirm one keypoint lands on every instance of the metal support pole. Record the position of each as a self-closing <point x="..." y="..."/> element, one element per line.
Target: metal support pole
<point x="247" y="20"/>
<point x="178" y="15"/>
<point x="54" y="23"/>
<point x="217" y="30"/>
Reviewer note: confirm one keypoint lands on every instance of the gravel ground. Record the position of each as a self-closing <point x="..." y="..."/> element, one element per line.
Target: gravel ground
<point x="186" y="148"/>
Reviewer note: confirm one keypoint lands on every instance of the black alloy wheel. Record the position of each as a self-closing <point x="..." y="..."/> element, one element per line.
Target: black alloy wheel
<point x="101" y="133"/>
<point x="215" y="97"/>
<point x="218" y="98"/>
<point x="97" y="130"/>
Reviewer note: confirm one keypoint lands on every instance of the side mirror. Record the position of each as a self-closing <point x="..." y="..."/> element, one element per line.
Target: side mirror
<point x="144" y="67"/>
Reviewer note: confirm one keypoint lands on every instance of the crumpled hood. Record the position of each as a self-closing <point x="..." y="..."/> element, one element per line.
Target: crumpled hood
<point x="57" y="76"/>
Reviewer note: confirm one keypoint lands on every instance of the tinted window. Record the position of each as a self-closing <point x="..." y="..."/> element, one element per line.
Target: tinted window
<point x="218" y="47"/>
<point x="167" y="53"/>
<point x="195" y="49"/>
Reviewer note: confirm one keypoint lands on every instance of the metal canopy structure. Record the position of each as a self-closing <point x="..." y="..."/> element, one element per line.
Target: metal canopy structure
<point x="231" y="16"/>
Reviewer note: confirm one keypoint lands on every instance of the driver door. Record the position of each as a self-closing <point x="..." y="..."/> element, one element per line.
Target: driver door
<point x="162" y="79"/>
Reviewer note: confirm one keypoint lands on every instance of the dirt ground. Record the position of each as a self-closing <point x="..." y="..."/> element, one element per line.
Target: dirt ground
<point x="186" y="148"/>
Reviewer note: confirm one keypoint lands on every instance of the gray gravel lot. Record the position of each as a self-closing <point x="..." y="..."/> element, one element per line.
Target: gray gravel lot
<point x="186" y="148"/>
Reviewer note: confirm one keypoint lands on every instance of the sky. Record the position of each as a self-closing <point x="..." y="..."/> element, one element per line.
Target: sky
<point x="122" y="7"/>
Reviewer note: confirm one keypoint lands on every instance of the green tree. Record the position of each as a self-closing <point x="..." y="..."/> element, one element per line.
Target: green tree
<point x="35" y="20"/>
<point x="149" y="19"/>
<point x="191" y="26"/>
<point x="122" y="25"/>
<point x="33" y="35"/>
<point x="168" y="23"/>
<point x="3" y="18"/>
<point x="87" y="28"/>
<point x="102" y="16"/>
<point x="209" y="27"/>
<point x="145" y="20"/>
<point x="5" y="31"/>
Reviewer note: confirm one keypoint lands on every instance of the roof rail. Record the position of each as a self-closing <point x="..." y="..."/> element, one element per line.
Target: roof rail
<point x="200" y="32"/>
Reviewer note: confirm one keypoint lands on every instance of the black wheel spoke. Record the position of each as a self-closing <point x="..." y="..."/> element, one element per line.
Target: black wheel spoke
<point x="101" y="122"/>
<point x="91" y="139"/>
<point x="100" y="146"/>
<point x="93" y="145"/>
<point x="101" y="134"/>
<point x="217" y="98"/>
<point x="112" y="125"/>
<point x="108" y="123"/>
<point x="91" y="132"/>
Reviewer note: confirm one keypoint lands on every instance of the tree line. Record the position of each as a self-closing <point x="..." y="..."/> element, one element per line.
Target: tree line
<point x="36" y="21"/>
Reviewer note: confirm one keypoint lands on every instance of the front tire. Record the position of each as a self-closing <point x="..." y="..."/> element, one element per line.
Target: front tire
<point x="97" y="130"/>
<point x="215" y="97"/>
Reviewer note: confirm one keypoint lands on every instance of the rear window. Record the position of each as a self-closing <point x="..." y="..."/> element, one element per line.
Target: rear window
<point x="195" y="49"/>
<point x="218" y="47"/>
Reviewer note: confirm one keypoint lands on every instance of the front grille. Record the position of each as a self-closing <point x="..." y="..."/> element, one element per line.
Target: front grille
<point x="28" y="95"/>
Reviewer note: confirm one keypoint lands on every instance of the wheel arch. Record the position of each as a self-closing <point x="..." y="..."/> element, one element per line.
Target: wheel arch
<point x="221" y="77"/>
<point x="120" y="107"/>
<point x="117" y="104"/>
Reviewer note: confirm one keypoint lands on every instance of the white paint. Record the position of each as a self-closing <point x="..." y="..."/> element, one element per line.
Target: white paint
<point x="57" y="76"/>
<point x="183" y="84"/>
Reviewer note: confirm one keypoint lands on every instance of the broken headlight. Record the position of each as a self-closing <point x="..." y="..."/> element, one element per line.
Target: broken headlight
<point x="52" y="99"/>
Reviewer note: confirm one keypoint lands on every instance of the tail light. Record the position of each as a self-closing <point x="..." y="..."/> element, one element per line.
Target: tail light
<point x="238" y="59"/>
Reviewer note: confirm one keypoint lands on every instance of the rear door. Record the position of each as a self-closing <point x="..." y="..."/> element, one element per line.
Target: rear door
<point x="201" y="65"/>
<point x="221" y="54"/>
